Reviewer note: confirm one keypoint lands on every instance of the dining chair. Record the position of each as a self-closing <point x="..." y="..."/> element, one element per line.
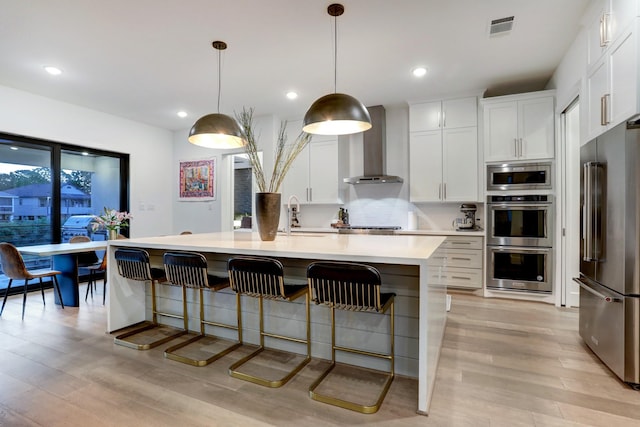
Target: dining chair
<point x="86" y="260"/>
<point x="94" y="269"/>
<point x="15" y="269"/>
<point x="353" y="287"/>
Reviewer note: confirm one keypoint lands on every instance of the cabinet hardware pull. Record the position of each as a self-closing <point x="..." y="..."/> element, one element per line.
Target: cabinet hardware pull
<point x="515" y="147"/>
<point x="461" y="259"/>
<point x="444" y="119"/>
<point x="604" y="30"/>
<point x="445" y="191"/>
<point x="311" y="194"/>
<point x="521" y="154"/>
<point x="604" y="109"/>
<point x="461" y="277"/>
<point x="440" y="191"/>
<point x="460" y="243"/>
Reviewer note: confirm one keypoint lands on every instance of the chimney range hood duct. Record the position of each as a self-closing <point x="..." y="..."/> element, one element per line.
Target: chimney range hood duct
<point x="374" y="147"/>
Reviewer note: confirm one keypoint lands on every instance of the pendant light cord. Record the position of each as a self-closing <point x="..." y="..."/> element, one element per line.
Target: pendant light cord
<point x="335" y="54"/>
<point x="219" y="78"/>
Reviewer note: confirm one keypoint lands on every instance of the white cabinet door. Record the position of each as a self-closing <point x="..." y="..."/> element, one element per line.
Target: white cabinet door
<point x="425" y="166"/>
<point x="296" y="181"/>
<point x="519" y="129"/>
<point x="598" y="33"/>
<point x="459" y="113"/>
<point x="324" y="172"/>
<point x="623" y="69"/>
<point x="425" y="116"/>
<point x="535" y="128"/>
<point x="597" y="88"/>
<point x="623" y="13"/>
<point x="460" y="160"/>
<point x="501" y="131"/>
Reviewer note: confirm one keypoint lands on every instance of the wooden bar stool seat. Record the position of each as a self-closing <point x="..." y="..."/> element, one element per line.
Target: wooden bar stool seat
<point x="352" y="287"/>
<point x="263" y="278"/>
<point x="189" y="270"/>
<point x="134" y="264"/>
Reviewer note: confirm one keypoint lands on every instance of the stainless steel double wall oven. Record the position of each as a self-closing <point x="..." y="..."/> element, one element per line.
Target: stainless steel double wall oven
<point x="520" y="227"/>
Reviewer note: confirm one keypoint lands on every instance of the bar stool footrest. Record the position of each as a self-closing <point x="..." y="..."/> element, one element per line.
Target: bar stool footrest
<point x="332" y="400"/>
<point x="171" y="352"/>
<point x="233" y="371"/>
<point x="128" y="339"/>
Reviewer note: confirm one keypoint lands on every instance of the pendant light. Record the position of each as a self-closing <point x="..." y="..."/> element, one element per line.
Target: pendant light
<point x="336" y="113"/>
<point x="217" y="130"/>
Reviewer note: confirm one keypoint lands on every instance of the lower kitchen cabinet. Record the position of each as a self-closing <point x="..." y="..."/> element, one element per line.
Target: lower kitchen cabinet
<point x="458" y="263"/>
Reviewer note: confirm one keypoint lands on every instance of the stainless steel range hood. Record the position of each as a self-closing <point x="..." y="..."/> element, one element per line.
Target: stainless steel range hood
<point x="374" y="146"/>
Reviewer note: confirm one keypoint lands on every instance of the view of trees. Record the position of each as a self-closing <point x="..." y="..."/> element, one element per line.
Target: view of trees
<point x="20" y="178"/>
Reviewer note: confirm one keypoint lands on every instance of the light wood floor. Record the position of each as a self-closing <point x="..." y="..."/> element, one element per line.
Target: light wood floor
<point x="504" y="363"/>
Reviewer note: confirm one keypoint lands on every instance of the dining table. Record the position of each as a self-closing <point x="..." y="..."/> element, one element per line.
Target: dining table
<point x="65" y="260"/>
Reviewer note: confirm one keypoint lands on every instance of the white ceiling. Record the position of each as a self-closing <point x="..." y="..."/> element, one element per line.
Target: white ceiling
<point x="147" y="59"/>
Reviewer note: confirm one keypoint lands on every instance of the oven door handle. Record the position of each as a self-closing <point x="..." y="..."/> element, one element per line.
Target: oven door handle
<point x="605" y="298"/>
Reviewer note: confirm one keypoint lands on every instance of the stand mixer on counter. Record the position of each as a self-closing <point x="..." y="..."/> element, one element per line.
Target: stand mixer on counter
<point x="468" y="221"/>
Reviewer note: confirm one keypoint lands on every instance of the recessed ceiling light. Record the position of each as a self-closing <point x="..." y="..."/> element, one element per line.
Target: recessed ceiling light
<point x="292" y="95"/>
<point x="85" y="153"/>
<point x="182" y="114"/>
<point x="419" y="71"/>
<point x="54" y="71"/>
<point x="14" y="148"/>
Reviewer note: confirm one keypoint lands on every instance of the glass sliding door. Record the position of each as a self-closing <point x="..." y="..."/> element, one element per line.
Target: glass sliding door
<point x="26" y="197"/>
<point x="45" y="184"/>
<point x="89" y="182"/>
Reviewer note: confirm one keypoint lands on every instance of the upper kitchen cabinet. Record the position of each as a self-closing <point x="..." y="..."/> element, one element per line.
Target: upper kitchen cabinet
<point x="519" y="127"/>
<point x="608" y="20"/>
<point x="443" y="161"/>
<point x="447" y="114"/>
<point x="315" y="174"/>
<point x="612" y="84"/>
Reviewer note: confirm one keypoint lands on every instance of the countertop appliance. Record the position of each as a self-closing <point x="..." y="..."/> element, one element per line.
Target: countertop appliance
<point x="610" y="250"/>
<point x="468" y="220"/>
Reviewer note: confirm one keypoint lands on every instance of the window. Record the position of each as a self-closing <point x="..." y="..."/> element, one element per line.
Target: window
<point x="43" y="184"/>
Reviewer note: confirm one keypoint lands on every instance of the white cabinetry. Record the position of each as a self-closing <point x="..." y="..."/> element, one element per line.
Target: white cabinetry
<point x="609" y="19"/>
<point x="315" y="174"/>
<point x="612" y="84"/>
<point x="457" y="263"/>
<point x="443" y="147"/>
<point x="519" y="127"/>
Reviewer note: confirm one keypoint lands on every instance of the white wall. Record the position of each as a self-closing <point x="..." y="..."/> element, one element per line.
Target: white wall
<point x="150" y="149"/>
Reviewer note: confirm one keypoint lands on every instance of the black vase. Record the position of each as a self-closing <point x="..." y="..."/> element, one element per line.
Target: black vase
<point x="268" y="214"/>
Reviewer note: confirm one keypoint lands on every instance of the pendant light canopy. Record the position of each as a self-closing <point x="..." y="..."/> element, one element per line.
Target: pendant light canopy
<point x="336" y="113"/>
<point x="217" y="130"/>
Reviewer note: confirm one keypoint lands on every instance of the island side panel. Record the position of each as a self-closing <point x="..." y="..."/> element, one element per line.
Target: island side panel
<point x="126" y="300"/>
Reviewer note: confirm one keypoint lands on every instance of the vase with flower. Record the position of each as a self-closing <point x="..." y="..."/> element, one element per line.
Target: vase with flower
<point x="268" y="198"/>
<point x="112" y="221"/>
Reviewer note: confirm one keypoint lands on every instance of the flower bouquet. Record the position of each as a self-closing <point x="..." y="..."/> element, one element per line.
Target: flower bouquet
<point x="111" y="220"/>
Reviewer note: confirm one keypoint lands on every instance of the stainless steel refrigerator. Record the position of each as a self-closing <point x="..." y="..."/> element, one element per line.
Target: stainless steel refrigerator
<point x="610" y="249"/>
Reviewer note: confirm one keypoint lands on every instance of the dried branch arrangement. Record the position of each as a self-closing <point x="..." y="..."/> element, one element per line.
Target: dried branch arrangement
<point x="284" y="154"/>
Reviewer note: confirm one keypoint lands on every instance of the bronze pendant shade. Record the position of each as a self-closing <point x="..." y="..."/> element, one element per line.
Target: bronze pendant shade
<point x="336" y="113"/>
<point x="217" y="130"/>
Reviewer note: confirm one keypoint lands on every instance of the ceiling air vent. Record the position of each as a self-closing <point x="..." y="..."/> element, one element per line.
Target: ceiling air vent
<point x="501" y="26"/>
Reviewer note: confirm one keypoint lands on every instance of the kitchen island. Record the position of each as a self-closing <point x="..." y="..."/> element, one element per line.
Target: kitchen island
<point x="402" y="261"/>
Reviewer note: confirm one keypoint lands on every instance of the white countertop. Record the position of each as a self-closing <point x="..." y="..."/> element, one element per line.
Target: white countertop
<point x="63" y="248"/>
<point x="392" y="249"/>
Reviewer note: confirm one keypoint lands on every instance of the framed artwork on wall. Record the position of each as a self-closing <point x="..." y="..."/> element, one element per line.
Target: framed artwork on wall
<point x="197" y="180"/>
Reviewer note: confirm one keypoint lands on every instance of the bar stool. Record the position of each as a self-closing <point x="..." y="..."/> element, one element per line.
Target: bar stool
<point x="263" y="278"/>
<point x="134" y="264"/>
<point x="354" y="287"/>
<point x="189" y="270"/>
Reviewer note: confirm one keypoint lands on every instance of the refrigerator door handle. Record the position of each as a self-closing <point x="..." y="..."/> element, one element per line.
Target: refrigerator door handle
<point x="590" y="222"/>
<point x="589" y="289"/>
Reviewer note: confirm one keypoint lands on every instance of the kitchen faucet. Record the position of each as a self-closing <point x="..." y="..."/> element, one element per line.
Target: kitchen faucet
<point x="292" y="213"/>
